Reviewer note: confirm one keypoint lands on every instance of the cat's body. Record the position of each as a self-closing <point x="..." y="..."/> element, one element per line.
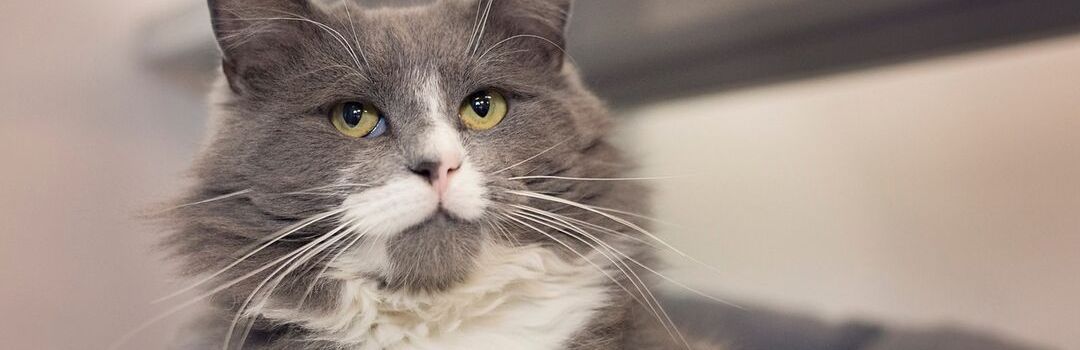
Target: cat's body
<point x="430" y="224"/>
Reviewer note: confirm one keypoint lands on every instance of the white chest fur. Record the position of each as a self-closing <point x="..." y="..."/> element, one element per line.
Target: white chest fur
<point x="519" y="298"/>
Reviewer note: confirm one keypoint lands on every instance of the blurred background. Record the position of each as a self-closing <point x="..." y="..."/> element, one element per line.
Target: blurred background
<point x="915" y="162"/>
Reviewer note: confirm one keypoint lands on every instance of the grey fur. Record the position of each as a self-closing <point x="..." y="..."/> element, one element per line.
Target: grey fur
<point x="274" y="140"/>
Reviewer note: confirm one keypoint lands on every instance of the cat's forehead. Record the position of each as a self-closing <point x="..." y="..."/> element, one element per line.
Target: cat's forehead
<point x="436" y="27"/>
<point x="411" y="42"/>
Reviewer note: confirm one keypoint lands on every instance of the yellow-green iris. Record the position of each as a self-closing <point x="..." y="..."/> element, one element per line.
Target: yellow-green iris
<point x="357" y="119"/>
<point x="483" y="110"/>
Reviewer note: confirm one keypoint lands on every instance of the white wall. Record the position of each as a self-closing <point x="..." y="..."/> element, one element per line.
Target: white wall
<point x="942" y="190"/>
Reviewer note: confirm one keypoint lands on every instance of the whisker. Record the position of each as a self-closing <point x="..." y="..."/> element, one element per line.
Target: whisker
<point x="640" y="216"/>
<point x="616" y="219"/>
<point x="588" y="224"/>
<point x="594" y="178"/>
<point x="571" y="249"/>
<point x="276" y="237"/>
<point x="265" y="296"/>
<point x="557" y="144"/>
<point x="500" y="223"/>
<point x="329" y="30"/>
<point x="356" y="40"/>
<point x="247" y="191"/>
<point x="651" y="302"/>
<point x="214" y="199"/>
<point x="476" y="26"/>
<point x="300" y="256"/>
<point x="326" y="265"/>
<point x="345" y="185"/>
<point x="635" y="261"/>
<point x="127" y="336"/>
<point x="481" y="58"/>
<point x="483" y="26"/>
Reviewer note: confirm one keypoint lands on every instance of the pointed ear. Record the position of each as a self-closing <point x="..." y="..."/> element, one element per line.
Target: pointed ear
<point x="537" y="27"/>
<point x="257" y="36"/>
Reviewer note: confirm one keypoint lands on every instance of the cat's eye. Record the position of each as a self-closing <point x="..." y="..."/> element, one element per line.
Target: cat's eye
<point x="483" y="109"/>
<point x="358" y="119"/>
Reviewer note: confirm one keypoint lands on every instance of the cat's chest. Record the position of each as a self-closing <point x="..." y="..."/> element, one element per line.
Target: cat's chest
<point x="535" y="322"/>
<point x="522" y="298"/>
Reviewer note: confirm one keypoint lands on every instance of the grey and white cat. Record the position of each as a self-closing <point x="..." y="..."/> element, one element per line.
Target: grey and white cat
<point x="425" y="177"/>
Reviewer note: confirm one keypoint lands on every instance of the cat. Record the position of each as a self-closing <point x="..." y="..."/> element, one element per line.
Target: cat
<point x="434" y="176"/>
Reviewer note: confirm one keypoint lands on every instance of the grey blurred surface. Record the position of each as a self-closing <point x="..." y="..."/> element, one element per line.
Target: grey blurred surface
<point x="762" y="328"/>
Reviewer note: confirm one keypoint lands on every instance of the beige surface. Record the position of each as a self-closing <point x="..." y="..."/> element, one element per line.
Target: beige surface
<point x="87" y="139"/>
<point x="943" y="190"/>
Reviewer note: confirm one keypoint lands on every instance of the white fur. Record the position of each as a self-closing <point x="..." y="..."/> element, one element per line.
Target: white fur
<point x="385" y="210"/>
<point x="442" y="139"/>
<point x="520" y="298"/>
<point x="466" y="197"/>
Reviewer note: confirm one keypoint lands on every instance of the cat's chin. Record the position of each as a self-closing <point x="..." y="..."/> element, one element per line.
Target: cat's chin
<point x="433" y="256"/>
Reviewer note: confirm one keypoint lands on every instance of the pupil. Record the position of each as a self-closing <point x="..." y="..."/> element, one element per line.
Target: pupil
<point x="352" y="114"/>
<point x="481" y="104"/>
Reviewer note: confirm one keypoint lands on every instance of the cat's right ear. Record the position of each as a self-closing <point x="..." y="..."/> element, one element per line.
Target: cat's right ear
<point x="256" y="36"/>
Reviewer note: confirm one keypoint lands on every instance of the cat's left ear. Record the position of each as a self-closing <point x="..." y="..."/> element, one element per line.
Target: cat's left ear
<point x="535" y="27"/>
<point x="257" y="37"/>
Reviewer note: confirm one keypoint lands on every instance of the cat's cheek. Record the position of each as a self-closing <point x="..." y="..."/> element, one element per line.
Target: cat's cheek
<point x="390" y="208"/>
<point x="466" y="196"/>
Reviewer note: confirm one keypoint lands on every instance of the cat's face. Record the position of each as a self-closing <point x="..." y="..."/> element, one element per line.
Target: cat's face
<point x="389" y="137"/>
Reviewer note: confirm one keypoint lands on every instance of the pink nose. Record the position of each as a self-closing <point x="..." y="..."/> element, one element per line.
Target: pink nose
<point x="438" y="173"/>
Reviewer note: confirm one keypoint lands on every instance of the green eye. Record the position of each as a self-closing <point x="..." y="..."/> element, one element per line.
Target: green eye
<point x="356" y="119"/>
<point x="483" y="110"/>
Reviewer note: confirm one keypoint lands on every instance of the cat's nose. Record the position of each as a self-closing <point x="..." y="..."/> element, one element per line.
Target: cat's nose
<point x="438" y="172"/>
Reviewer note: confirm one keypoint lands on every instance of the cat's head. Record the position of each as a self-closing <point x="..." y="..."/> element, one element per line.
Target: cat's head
<point x="399" y="140"/>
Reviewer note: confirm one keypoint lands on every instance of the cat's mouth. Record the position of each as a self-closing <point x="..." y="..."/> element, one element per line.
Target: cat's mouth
<point x="430" y="239"/>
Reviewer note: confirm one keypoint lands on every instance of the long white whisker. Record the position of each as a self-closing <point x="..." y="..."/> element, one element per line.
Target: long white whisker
<point x="635" y="261"/>
<point x="356" y="40"/>
<point x="345" y="186"/>
<point x="594" y="178"/>
<point x="326" y="265"/>
<point x="300" y="256"/>
<point x="333" y="32"/>
<point x="483" y="26"/>
<point x="548" y="223"/>
<point x="640" y="216"/>
<point x="481" y="58"/>
<point x="651" y="301"/>
<point x="127" y="336"/>
<point x="571" y="249"/>
<point x="275" y="237"/>
<point x="588" y="224"/>
<point x="476" y="26"/>
<point x="613" y="218"/>
<point x="557" y="144"/>
<point x="214" y="199"/>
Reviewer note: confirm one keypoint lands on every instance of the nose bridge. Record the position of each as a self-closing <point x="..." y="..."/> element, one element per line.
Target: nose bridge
<point x="435" y="153"/>
<point x="431" y="137"/>
<point x="434" y="143"/>
<point x="416" y="144"/>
